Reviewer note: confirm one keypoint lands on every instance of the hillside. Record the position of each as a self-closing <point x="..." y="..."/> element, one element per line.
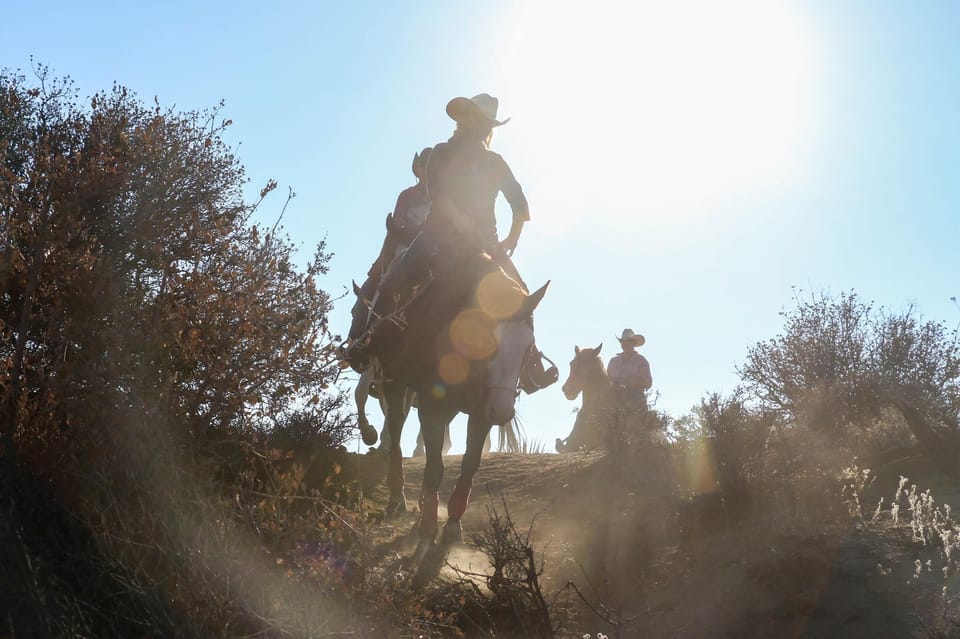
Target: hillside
<point x="791" y="572"/>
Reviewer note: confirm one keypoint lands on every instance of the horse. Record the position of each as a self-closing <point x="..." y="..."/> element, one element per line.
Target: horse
<point x="368" y="377"/>
<point x="373" y="374"/>
<point x="394" y="244"/>
<point x="610" y="417"/>
<point x="395" y="397"/>
<point x="459" y="346"/>
<point x="588" y="375"/>
<point x="508" y="441"/>
<point x="508" y="438"/>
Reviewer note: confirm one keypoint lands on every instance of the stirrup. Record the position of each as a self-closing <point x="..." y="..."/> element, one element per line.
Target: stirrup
<point x="533" y="376"/>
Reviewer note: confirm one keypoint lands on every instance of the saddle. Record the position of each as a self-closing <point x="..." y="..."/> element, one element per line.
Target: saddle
<point x="533" y="375"/>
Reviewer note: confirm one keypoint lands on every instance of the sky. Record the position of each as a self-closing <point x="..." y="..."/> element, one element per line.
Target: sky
<point x="690" y="165"/>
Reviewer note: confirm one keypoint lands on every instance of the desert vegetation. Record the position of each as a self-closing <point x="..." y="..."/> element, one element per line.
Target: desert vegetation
<point x="172" y="434"/>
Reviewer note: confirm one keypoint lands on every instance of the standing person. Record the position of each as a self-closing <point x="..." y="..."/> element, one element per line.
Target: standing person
<point x="629" y="373"/>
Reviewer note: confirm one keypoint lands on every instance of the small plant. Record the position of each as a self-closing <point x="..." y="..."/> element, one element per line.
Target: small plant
<point x="855" y="482"/>
<point x="931" y="526"/>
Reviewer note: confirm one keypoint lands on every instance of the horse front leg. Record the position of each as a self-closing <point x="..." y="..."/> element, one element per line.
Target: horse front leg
<point x="397" y="400"/>
<point x="432" y="423"/>
<point x="478" y="431"/>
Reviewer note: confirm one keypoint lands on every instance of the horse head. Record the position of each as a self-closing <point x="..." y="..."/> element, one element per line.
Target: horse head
<point x="586" y="368"/>
<point x="359" y="319"/>
<point x="514" y="338"/>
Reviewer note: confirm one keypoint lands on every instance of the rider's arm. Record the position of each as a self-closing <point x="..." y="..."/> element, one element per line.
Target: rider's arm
<point x="644" y="378"/>
<point x="512" y="190"/>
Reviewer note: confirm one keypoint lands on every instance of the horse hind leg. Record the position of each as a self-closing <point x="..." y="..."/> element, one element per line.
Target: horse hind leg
<point x="398" y="406"/>
<point x="447" y="443"/>
<point x="397" y="502"/>
<point x="418" y="449"/>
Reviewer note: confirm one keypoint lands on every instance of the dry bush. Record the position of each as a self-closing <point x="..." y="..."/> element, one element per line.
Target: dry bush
<point x="505" y="601"/>
<point x="57" y="581"/>
<point x="734" y="461"/>
<point x="223" y="555"/>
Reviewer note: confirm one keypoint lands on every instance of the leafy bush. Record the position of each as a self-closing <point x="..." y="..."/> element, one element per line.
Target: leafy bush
<point x="840" y="366"/>
<point x="130" y="278"/>
<point x="151" y="342"/>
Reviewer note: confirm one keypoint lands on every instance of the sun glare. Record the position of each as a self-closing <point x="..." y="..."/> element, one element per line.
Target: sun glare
<point x="656" y="108"/>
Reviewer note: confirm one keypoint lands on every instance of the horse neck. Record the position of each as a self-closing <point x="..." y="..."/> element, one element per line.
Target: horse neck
<point x="597" y="393"/>
<point x="441" y="301"/>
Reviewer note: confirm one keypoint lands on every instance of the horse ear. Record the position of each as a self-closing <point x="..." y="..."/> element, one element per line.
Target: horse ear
<point x="356" y="289"/>
<point x="576" y="350"/>
<point x="534" y="299"/>
<point x="389" y="221"/>
<point x="597" y="349"/>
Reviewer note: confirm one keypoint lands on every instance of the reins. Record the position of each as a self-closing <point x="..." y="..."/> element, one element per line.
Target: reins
<point x="393" y="317"/>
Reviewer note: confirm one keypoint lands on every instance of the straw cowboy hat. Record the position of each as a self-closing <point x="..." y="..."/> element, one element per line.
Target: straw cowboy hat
<point x="482" y="104"/>
<point x="634" y="338"/>
<point x="421" y="158"/>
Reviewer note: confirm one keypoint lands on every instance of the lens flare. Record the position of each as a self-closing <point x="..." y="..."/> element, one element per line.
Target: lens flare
<point x="453" y="368"/>
<point x="701" y="469"/>
<point x="472" y="334"/>
<point x="499" y="296"/>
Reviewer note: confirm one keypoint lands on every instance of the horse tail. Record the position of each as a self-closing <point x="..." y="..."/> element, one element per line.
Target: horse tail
<point x="510" y="436"/>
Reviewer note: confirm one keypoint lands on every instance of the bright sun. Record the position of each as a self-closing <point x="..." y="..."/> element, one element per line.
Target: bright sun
<point x="656" y="108"/>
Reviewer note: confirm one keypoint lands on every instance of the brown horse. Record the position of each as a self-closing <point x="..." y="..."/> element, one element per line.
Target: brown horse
<point x="611" y="416"/>
<point x="459" y="346"/>
<point x="589" y="376"/>
<point x="395" y="397"/>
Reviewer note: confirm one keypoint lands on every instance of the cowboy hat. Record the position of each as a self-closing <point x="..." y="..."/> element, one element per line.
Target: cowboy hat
<point x="421" y="158"/>
<point x="483" y="105"/>
<point x="629" y="336"/>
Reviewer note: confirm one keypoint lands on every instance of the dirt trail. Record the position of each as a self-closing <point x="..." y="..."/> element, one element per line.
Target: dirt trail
<point x="774" y="575"/>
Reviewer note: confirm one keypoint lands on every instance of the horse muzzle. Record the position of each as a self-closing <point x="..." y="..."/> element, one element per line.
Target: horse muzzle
<point x="570" y="392"/>
<point x="500" y="406"/>
<point x="351" y="356"/>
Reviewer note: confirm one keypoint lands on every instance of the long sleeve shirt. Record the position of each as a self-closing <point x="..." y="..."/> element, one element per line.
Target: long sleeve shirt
<point x="630" y="369"/>
<point x="463" y="180"/>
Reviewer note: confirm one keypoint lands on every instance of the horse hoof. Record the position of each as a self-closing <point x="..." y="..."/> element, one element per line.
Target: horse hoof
<point x="368" y="434"/>
<point x="452" y="533"/>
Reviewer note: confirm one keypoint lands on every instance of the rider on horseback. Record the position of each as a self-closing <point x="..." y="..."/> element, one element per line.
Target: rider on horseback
<point x="409" y="214"/>
<point x="463" y="179"/>
<point x="629" y="373"/>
